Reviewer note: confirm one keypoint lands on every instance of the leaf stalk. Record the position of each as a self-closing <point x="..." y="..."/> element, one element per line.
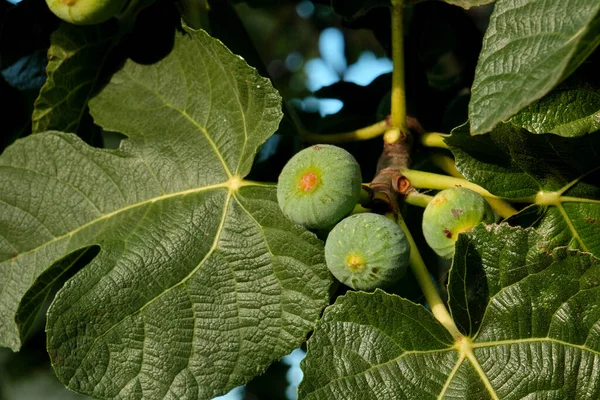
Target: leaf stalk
<point x="414" y="198"/>
<point x="432" y="296"/>
<point x="433" y="139"/>
<point x="447" y="164"/>
<point x="429" y="180"/>
<point x="366" y="133"/>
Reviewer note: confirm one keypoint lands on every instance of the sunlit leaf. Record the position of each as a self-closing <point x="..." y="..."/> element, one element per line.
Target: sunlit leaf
<point x="200" y="282"/>
<point x="528" y="48"/>
<point x="76" y="57"/>
<point x="533" y="333"/>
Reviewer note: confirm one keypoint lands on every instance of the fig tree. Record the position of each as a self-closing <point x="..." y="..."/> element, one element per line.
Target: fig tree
<point x="451" y="212"/>
<point x="319" y="186"/>
<point x="86" y="12"/>
<point x="367" y="251"/>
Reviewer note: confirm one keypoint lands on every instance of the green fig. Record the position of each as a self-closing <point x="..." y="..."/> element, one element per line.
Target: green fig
<point x="451" y="212"/>
<point x="319" y="186"/>
<point x="86" y="12"/>
<point x="367" y="251"/>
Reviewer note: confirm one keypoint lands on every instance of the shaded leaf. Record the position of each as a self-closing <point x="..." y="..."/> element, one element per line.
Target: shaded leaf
<point x="484" y="263"/>
<point x="568" y="112"/>
<point x="200" y="282"/>
<point x="529" y="47"/>
<point x="76" y="58"/>
<point x="538" y="337"/>
<point x="513" y="163"/>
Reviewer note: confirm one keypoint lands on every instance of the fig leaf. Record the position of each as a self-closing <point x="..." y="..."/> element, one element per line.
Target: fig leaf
<point x="538" y="312"/>
<point x="513" y="163"/>
<point x="200" y="282"/>
<point x="529" y="47"/>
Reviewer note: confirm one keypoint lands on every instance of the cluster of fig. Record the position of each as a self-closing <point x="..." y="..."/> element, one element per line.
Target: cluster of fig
<point x="86" y="12"/>
<point x="319" y="188"/>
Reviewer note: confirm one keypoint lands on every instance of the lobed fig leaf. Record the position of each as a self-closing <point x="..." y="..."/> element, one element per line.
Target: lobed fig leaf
<point x="319" y="186"/>
<point x="86" y="12"/>
<point x="367" y="251"/>
<point x="199" y="282"/>
<point x="453" y="211"/>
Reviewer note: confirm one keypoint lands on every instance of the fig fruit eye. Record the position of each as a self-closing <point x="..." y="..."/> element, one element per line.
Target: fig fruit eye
<point x="319" y="186"/>
<point x="86" y="12"/>
<point x="367" y="251"/>
<point x="450" y="212"/>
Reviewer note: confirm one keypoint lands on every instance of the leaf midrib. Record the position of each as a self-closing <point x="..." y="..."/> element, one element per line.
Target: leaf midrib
<point x="480" y="345"/>
<point x="571" y="227"/>
<point x="376" y="366"/>
<point x="195" y="123"/>
<point x="214" y="246"/>
<point x="462" y="355"/>
<point x="181" y="282"/>
<point x="243" y="114"/>
<point x="103" y="217"/>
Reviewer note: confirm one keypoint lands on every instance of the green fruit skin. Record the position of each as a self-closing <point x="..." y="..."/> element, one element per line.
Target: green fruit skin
<point x="379" y="241"/>
<point x="86" y="12"/>
<point x="450" y="212"/>
<point x="335" y="195"/>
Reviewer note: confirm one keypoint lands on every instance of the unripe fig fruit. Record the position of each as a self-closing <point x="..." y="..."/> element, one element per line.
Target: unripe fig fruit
<point x="451" y="212"/>
<point x="319" y="186"/>
<point x="367" y="251"/>
<point x="86" y="12"/>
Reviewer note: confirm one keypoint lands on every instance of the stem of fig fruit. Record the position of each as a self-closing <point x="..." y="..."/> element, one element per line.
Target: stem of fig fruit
<point x="414" y="198"/>
<point x="432" y="296"/>
<point x="366" y="133"/>
<point x="447" y="164"/>
<point x="429" y="180"/>
<point x="358" y="209"/>
<point x="398" y="91"/>
<point x="433" y="139"/>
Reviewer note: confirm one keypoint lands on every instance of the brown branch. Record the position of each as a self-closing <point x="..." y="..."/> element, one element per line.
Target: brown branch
<point x="389" y="185"/>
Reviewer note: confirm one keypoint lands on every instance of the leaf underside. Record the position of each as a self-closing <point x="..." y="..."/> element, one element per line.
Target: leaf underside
<point x="200" y="282"/>
<point x="536" y="335"/>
